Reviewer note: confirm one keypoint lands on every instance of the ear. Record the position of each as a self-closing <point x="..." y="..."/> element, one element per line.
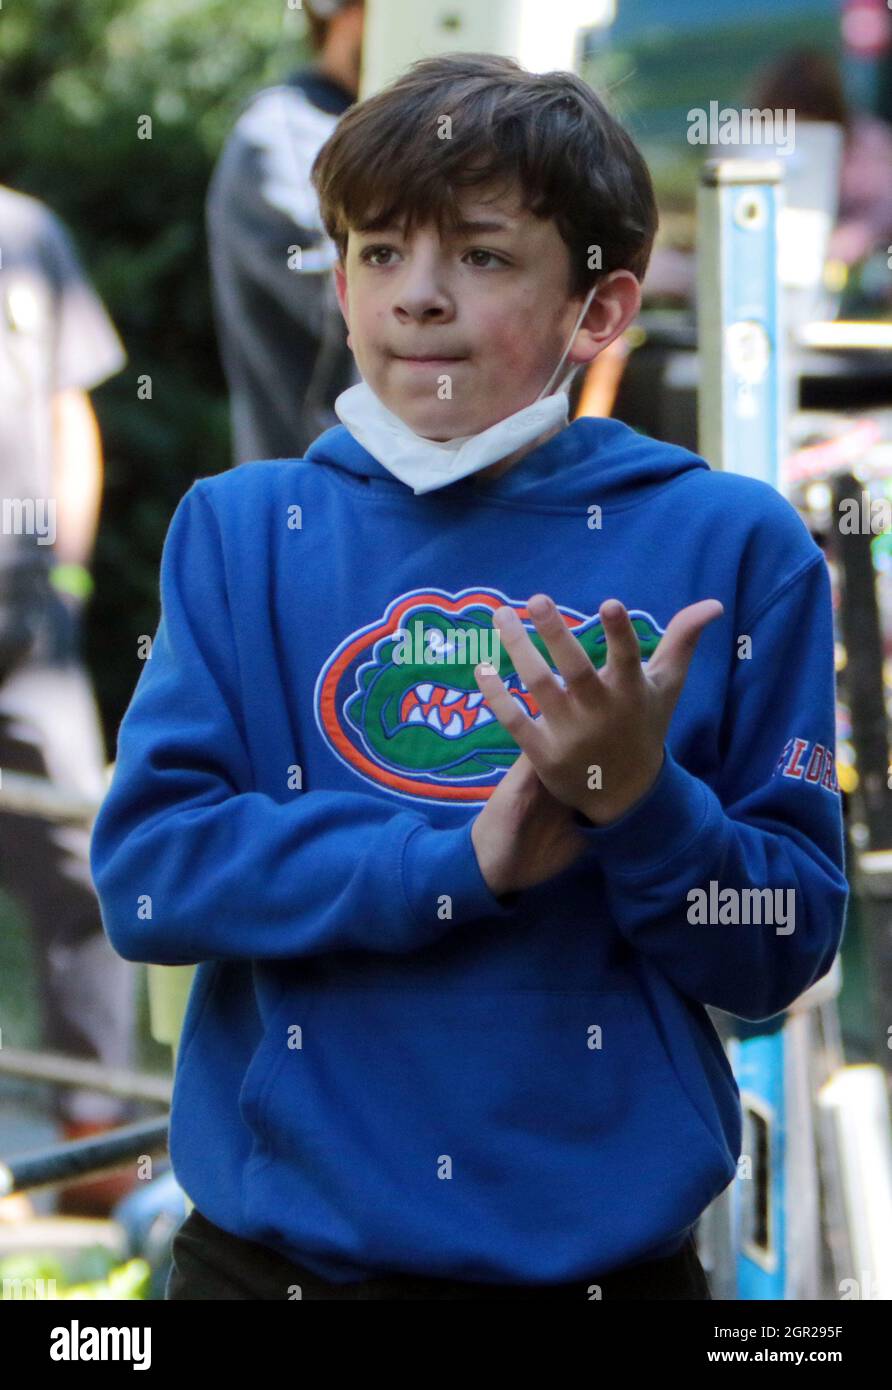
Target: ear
<point x="340" y="277"/>
<point x="613" y="308"/>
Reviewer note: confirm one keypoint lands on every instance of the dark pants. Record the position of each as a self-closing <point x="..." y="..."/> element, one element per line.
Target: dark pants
<point x="209" y="1263"/>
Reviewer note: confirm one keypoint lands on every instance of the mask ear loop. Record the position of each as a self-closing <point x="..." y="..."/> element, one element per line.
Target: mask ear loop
<point x="546" y="389"/>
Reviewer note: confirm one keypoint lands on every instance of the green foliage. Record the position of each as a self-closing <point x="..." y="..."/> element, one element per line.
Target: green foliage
<point x="44" y="1275"/>
<point x="77" y="80"/>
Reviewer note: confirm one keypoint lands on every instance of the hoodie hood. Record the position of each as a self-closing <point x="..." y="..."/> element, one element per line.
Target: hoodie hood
<point x="591" y="460"/>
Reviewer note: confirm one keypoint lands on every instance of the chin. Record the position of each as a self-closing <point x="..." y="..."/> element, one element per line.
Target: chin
<point x="439" y="434"/>
<point x="438" y="430"/>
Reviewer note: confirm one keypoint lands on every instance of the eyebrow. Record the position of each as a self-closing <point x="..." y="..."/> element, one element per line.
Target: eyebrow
<point x="486" y="226"/>
<point x="463" y="227"/>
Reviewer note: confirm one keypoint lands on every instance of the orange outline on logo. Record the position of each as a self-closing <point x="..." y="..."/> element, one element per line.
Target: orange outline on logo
<point x="328" y="710"/>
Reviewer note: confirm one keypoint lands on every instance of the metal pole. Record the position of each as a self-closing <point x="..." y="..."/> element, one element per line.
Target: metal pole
<point x="92" y="1076"/>
<point x="767" y="1237"/>
<point x="741" y="402"/>
<point x="62" y="1163"/>
<point x="862" y="676"/>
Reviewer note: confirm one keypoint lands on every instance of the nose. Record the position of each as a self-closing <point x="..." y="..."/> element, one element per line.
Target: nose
<point x="422" y="292"/>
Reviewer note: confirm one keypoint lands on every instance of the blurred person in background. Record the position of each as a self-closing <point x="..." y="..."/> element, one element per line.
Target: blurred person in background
<point x="811" y="83"/>
<point x="281" y="334"/>
<point x="56" y="344"/>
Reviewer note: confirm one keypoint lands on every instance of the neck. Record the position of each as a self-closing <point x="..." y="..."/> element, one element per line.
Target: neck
<point x="340" y="67"/>
<point x="495" y="470"/>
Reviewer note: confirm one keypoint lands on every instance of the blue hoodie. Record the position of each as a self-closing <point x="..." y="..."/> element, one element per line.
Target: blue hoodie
<point x="384" y="1067"/>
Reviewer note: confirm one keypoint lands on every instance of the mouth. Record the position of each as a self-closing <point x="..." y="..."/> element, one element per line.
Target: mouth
<point x="427" y="361"/>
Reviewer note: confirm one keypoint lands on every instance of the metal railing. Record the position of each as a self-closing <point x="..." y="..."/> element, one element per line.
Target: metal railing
<point x="60" y="1163"/>
<point x="53" y="1164"/>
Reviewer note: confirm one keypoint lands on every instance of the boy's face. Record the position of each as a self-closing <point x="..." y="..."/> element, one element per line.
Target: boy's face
<point x="493" y="300"/>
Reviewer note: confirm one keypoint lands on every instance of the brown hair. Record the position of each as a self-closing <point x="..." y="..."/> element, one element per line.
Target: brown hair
<point x="548" y="132"/>
<point x="809" y="81"/>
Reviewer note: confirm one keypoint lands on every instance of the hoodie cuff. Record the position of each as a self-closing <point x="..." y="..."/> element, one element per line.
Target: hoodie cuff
<point x="657" y="828"/>
<point x="443" y="863"/>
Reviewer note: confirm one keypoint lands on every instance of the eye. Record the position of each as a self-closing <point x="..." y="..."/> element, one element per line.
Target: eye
<point x="492" y="255"/>
<point x="438" y="642"/>
<point x="370" y="251"/>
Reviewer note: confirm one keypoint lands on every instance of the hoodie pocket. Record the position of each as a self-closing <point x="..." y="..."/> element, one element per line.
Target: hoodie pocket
<point x="279" y="1037"/>
<point x="495" y="1132"/>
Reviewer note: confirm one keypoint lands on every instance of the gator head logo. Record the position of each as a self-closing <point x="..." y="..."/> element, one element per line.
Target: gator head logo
<point x="399" y="704"/>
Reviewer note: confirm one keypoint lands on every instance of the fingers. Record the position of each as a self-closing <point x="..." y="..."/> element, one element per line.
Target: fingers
<point x="623" y="647"/>
<point x="573" y="662"/>
<point x="668" y="667"/>
<point x="575" y="670"/>
<point x="666" y="670"/>
<point x="529" y="664"/>
<point x="513" y="719"/>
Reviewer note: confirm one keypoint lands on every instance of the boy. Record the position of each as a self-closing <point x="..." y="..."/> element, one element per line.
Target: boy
<point x="434" y="1050"/>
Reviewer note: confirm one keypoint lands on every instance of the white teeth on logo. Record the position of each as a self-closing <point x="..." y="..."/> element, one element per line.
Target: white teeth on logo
<point x="455" y="727"/>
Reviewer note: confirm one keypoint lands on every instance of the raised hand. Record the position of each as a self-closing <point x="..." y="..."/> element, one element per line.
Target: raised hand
<point x="598" y="743"/>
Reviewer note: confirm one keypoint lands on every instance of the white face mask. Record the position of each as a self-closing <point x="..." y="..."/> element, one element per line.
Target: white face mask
<point x="427" y="464"/>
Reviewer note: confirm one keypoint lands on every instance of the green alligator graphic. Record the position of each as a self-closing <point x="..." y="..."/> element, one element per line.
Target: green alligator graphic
<point x="427" y="714"/>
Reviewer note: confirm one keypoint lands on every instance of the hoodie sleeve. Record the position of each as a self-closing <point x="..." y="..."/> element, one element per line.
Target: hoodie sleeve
<point x="774" y="823"/>
<point x="192" y="864"/>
